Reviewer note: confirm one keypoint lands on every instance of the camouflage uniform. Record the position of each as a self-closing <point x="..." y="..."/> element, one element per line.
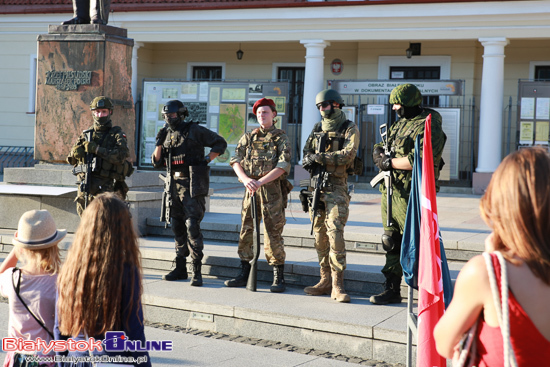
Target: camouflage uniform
<point x="258" y="153"/>
<point x="187" y="142"/>
<point x="111" y="165"/>
<point x="329" y="226"/>
<point x="401" y="138"/>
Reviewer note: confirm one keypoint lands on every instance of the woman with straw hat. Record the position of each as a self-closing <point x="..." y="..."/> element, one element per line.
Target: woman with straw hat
<point x="31" y="289"/>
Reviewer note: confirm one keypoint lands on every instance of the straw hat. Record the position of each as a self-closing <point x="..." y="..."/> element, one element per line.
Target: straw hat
<point x="37" y="231"/>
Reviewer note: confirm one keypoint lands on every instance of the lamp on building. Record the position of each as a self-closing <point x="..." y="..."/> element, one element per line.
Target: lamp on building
<point x="240" y="53"/>
<point x="413" y="50"/>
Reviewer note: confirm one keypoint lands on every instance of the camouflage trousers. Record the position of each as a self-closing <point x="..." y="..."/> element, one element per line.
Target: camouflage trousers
<point x="400" y="199"/>
<point x="187" y="215"/>
<point x="270" y="207"/>
<point x="329" y="228"/>
<point x="98" y="185"/>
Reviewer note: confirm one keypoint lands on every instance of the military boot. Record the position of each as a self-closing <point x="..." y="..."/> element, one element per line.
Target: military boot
<point x="323" y="287"/>
<point x="179" y="273"/>
<point x="278" y="285"/>
<point x="196" y="280"/>
<point x="242" y="278"/>
<point x="338" y="292"/>
<point x="392" y="291"/>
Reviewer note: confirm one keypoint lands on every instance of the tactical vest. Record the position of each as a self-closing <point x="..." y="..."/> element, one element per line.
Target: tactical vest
<point x="335" y="142"/>
<point x="261" y="154"/>
<point x="186" y="150"/>
<point x="105" y="168"/>
<point x="402" y="137"/>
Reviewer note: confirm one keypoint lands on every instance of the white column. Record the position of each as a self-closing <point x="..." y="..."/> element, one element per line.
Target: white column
<point x="314" y="82"/>
<point x="137" y="45"/>
<point x="491" y="105"/>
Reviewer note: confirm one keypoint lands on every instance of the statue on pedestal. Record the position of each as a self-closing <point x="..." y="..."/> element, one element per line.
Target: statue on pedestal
<point x="90" y="11"/>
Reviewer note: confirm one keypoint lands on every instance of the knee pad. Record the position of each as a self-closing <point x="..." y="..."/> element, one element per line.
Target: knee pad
<point x="391" y="241"/>
<point x="193" y="227"/>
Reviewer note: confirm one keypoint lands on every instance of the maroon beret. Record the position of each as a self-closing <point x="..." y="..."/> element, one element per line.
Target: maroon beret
<point x="263" y="102"/>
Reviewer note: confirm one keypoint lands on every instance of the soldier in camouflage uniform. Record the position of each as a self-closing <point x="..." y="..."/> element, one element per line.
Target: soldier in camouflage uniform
<point x="109" y="149"/>
<point x="185" y="141"/>
<point x="338" y="159"/>
<point x="406" y="100"/>
<point x="262" y="163"/>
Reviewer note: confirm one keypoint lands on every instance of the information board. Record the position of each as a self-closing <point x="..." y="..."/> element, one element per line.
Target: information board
<point x="533" y="113"/>
<point x="223" y="107"/>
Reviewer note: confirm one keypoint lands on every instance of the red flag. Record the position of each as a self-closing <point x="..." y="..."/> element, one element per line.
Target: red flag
<point x="431" y="304"/>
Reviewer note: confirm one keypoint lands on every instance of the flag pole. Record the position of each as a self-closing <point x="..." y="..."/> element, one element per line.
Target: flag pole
<point x="411" y="326"/>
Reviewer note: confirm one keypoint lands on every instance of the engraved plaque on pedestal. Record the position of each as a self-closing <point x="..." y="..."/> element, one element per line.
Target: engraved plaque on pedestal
<point x="75" y="64"/>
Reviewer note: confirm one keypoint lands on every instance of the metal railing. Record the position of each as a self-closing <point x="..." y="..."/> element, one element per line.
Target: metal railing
<point x="16" y="157"/>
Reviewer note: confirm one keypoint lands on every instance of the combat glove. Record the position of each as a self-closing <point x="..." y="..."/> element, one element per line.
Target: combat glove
<point x="161" y="136"/>
<point x="385" y="163"/>
<point x="90" y="147"/>
<point x="79" y="153"/>
<point x="308" y="162"/>
<point x="377" y="155"/>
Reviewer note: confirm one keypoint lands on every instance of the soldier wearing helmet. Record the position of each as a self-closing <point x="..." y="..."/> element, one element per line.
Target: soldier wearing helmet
<point x="185" y="142"/>
<point x="109" y="149"/>
<point x="407" y="102"/>
<point x="342" y="141"/>
<point x="262" y="163"/>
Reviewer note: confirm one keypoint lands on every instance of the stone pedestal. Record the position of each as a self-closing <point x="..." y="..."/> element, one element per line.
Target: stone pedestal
<point x="75" y="64"/>
<point x="53" y="187"/>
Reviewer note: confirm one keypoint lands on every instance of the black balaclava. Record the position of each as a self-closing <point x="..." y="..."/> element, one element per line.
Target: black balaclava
<point x="409" y="112"/>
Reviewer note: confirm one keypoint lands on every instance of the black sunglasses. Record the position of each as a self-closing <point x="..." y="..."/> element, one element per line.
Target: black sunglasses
<point x="323" y="104"/>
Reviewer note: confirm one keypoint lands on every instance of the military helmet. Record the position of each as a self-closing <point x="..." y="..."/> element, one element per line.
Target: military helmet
<point x="100" y="103"/>
<point x="175" y="106"/>
<point x="406" y="95"/>
<point x="264" y="102"/>
<point x="329" y="95"/>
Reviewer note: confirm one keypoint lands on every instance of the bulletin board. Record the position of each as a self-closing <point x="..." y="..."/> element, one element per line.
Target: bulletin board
<point x="223" y="107"/>
<point x="533" y="113"/>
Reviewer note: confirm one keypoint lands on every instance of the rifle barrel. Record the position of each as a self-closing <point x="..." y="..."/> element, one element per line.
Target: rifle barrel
<point x="252" y="282"/>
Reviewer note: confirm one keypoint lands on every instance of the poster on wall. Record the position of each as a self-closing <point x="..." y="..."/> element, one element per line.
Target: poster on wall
<point x="225" y="158"/>
<point x="527" y="108"/>
<point x="526" y="133"/>
<point x="232" y="122"/>
<point x="543" y="109"/>
<point x="223" y="107"/>
<point x="541" y="132"/>
<point x="350" y="112"/>
<point x="451" y="126"/>
<point x="197" y="112"/>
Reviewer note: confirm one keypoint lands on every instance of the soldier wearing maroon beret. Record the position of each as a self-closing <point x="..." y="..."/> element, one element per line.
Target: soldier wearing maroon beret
<point x="262" y="163"/>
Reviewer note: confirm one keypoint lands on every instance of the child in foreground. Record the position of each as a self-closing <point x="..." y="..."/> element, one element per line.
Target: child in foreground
<point x="31" y="289"/>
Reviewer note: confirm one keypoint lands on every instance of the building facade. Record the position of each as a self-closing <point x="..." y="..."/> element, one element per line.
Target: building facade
<point x="487" y="45"/>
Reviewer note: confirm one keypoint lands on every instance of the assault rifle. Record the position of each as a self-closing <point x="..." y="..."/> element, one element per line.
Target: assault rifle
<point x="86" y="184"/>
<point x="319" y="180"/>
<point x="386" y="176"/>
<point x="166" y="205"/>
<point x="253" y="275"/>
